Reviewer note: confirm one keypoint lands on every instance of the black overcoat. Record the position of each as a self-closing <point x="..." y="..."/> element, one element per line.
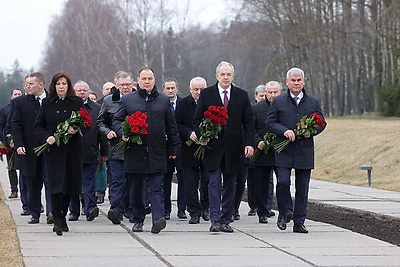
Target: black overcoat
<point x="93" y="140"/>
<point x="260" y="112"/>
<point x="184" y="114"/>
<point x="283" y="115"/>
<point x="151" y="156"/>
<point x="24" y="111"/>
<point x="64" y="163"/>
<point x="227" y="151"/>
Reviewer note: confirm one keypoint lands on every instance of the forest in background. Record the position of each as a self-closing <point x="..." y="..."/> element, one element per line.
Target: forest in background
<point x="349" y="49"/>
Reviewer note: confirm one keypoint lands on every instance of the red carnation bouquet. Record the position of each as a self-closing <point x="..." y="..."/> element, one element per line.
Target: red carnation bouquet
<point x="306" y="127"/>
<point x="133" y="127"/>
<point x="77" y="120"/>
<point x="210" y="126"/>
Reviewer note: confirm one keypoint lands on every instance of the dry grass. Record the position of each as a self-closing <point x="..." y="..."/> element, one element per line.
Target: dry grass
<point x="10" y="254"/>
<point x="347" y="144"/>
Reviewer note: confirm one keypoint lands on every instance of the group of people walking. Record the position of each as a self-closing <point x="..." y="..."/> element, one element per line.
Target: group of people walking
<point x="140" y="175"/>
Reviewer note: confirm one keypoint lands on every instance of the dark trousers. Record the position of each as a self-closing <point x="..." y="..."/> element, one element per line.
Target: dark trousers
<point x="118" y="185"/>
<point x="302" y="181"/>
<point x="204" y="180"/>
<point x="271" y="191"/>
<point x="192" y="179"/>
<point x="23" y="191"/>
<point x="88" y="181"/>
<point x="156" y="195"/>
<point x="221" y="196"/>
<point x="75" y="205"/>
<point x="251" y="194"/>
<point x="34" y="190"/>
<point x="12" y="173"/>
<point x="167" y="186"/>
<point x="60" y="204"/>
<point x="262" y="178"/>
<point x="240" y="185"/>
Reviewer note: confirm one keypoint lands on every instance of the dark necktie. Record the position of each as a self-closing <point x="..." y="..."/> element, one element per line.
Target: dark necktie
<point x="38" y="100"/>
<point x="173" y="106"/>
<point x="226" y="101"/>
<point x="295" y="100"/>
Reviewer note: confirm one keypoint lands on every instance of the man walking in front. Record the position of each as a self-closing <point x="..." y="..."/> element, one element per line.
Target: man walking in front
<point x="148" y="159"/>
<point x="285" y="112"/>
<point x="224" y="156"/>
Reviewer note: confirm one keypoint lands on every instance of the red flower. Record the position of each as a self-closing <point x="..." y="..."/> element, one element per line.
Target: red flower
<point x="133" y="127"/>
<point x="3" y="150"/>
<point x="86" y="117"/>
<point x="210" y="127"/>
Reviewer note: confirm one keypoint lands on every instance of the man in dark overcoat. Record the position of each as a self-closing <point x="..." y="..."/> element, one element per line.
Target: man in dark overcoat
<point x="224" y="156"/>
<point x="192" y="167"/>
<point x="94" y="144"/>
<point x="148" y="159"/>
<point x="285" y="112"/>
<point x="25" y="110"/>
<point x="265" y="162"/>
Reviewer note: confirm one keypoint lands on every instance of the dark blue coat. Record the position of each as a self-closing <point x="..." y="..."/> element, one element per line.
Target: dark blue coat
<point x="260" y="111"/>
<point x="283" y="115"/>
<point x="151" y="156"/>
<point x="184" y="114"/>
<point x="227" y="152"/>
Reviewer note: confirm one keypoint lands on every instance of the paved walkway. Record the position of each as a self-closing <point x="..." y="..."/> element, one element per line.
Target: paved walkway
<point x="99" y="243"/>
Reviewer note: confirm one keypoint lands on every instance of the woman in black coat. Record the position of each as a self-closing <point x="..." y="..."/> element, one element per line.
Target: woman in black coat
<point x="64" y="162"/>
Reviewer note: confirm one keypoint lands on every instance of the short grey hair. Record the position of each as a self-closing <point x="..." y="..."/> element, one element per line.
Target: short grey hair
<point x="295" y="71"/>
<point x="224" y="63"/>
<point x="260" y="88"/>
<point x="121" y="74"/>
<point x="197" y="78"/>
<point x="272" y="83"/>
<point x="80" y="81"/>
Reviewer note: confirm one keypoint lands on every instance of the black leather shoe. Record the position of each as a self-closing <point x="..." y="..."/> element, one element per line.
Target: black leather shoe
<point x="300" y="228"/>
<point x="93" y="214"/>
<point x="236" y="216"/>
<point x="232" y="220"/>
<point x="167" y="216"/>
<point x="252" y="212"/>
<point x="263" y="219"/>
<point x="289" y="217"/>
<point x="226" y="228"/>
<point x="206" y="215"/>
<point x="100" y="199"/>
<point x="114" y="216"/>
<point x="281" y="223"/>
<point x="158" y="225"/>
<point x="13" y="195"/>
<point x="270" y="214"/>
<point x="194" y="220"/>
<point x="182" y="214"/>
<point x="137" y="227"/>
<point x="25" y="213"/>
<point x="215" y="227"/>
<point x="50" y="218"/>
<point x="58" y="230"/>
<point x="33" y="220"/>
<point x="73" y="217"/>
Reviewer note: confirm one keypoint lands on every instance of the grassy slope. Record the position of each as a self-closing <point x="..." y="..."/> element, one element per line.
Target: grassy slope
<point x="347" y="144"/>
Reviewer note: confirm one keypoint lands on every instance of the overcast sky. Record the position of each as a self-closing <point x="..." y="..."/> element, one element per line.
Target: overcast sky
<point x="24" y="27"/>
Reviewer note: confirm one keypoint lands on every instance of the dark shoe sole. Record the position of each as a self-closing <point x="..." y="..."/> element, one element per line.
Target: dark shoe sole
<point x="93" y="214"/>
<point x="158" y="225"/>
<point x="58" y="230"/>
<point x="113" y="216"/>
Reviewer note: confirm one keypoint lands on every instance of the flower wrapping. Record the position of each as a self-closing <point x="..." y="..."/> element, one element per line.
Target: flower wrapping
<point x="210" y="126"/>
<point x="133" y="127"/>
<point x="77" y="120"/>
<point x="305" y="127"/>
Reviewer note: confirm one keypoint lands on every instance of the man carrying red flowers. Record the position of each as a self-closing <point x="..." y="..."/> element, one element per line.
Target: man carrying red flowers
<point x="223" y="157"/>
<point x="284" y="114"/>
<point x="148" y="158"/>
